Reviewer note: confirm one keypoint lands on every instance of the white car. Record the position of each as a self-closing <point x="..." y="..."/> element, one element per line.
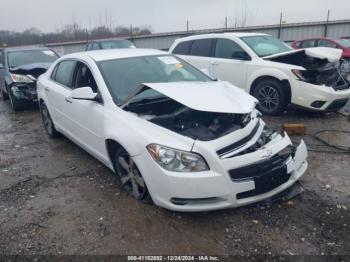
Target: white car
<point x="171" y="133"/>
<point x="270" y="70"/>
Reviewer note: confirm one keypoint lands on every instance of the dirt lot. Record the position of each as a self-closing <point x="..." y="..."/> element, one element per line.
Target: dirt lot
<point x="57" y="199"/>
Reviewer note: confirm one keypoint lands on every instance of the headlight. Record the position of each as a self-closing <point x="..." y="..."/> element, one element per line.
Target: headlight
<point x="177" y="160"/>
<point x="22" y="78"/>
<point x="298" y="74"/>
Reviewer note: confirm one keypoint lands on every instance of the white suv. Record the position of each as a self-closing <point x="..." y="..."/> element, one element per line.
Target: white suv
<point x="270" y="70"/>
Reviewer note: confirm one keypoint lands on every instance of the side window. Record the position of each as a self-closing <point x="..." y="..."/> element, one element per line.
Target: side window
<point x="64" y="73"/>
<point x="95" y="46"/>
<point x="226" y="48"/>
<point x="85" y="78"/>
<point x="202" y="47"/>
<point x="88" y="47"/>
<point x="308" y="43"/>
<point x="2" y="58"/>
<point x="326" y="43"/>
<point x="183" y="48"/>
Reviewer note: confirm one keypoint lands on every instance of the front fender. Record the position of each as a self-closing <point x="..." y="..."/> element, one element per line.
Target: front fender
<point x="266" y="72"/>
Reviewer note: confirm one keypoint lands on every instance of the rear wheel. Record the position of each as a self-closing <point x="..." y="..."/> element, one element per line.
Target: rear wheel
<point x="47" y="121"/>
<point x="130" y="176"/>
<point x="272" y="98"/>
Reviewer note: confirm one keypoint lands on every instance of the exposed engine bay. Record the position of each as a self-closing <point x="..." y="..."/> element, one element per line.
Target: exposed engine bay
<point x="200" y="125"/>
<point x="319" y="71"/>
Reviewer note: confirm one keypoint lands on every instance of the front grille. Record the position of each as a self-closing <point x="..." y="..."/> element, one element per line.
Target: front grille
<point x="267" y="174"/>
<point x="259" y="168"/>
<point x="240" y="143"/>
<point x="337" y="104"/>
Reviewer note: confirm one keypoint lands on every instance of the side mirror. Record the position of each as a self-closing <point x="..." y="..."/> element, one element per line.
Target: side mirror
<point x="1" y="66"/>
<point x="241" y="55"/>
<point x="84" y="93"/>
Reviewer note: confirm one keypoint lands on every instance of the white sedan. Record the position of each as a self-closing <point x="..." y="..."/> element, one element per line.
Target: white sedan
<point x="173" y="135"/>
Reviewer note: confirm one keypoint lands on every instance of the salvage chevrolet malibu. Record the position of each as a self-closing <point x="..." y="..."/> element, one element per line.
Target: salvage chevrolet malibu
<point x="19" y="69"/>
<point x="173" y="135"/>
<point x="270" y="70"/>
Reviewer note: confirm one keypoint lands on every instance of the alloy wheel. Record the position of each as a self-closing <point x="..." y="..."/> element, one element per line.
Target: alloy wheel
<point x="130" y="177"/>
<point x="268" y="98"/>
<point x="46" y="120"/>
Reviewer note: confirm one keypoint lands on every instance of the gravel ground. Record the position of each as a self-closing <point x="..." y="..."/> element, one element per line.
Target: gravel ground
<point x="57" y="199"/>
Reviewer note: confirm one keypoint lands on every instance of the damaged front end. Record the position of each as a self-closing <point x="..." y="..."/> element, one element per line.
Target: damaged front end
<point x="196" y="116"/>
<point x="321" y="66"/>
<point x="23" y="81"/>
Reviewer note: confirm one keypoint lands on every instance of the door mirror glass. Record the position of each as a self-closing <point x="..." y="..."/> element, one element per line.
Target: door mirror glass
<point x="240" y="55"/>
<point x="84" y="93"/>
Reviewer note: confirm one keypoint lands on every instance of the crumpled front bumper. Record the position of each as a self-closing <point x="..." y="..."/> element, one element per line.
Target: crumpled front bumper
<point x="215" y="189"/>
<point x="25" y="92"/>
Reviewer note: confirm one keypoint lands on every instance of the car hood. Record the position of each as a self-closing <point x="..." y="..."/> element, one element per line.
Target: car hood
<point x="35" y="69"/>
<point x="219" y="97"/>
<point x="331" y="54"/>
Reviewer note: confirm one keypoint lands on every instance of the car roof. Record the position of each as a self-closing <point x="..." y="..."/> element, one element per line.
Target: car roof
<point x="234" y="35"/>
<point x="111" y="54"/>
<point x="107" y="40"/>
<point x="21" y="48"/>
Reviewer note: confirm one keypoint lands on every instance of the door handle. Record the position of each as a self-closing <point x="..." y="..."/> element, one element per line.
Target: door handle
<point x="68" y="99"/>
<point x="47" y="89"/>
<point x="214" y="63"/>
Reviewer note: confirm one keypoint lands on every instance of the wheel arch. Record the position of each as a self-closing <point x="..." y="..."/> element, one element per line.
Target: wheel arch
<point x="284" y="82"/>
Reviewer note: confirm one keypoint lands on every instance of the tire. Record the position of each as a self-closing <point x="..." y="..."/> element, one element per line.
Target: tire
<point x="273" y="99"/>
<point x="47" y="122"/>
<point x="130" y="176"/>
<point x="15" y="103"/>
<point x="3" y="95"/>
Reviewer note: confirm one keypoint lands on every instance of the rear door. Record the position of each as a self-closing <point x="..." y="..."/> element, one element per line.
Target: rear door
<point x="228" y="63"/>
<point x="58" y="93"/>
<point x="197" y="52"/>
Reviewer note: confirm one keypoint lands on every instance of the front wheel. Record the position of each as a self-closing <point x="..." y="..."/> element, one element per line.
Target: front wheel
<point x="47" y="121"/>
<point x="15" y="103"/>
<point x="272" y="98"/>
<point x="3" y="95"/>
<point x="130" y="176"/>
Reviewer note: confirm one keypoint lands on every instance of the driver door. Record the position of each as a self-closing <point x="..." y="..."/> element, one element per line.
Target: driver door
<point x="87" y="117"/>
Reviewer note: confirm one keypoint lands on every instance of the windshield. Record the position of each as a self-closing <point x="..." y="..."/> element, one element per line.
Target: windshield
<point x="25" y="57"/>
<point x="123" y="76"/>
<point x="344" y="42"/>
<point x="117" y="44"/>
<point x="266" y="45"/>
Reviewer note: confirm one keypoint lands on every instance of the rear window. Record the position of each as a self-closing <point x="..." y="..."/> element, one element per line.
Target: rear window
<point x="25" y="57"/>
<point x="202" y="47"/>
<point x="183" y="48"/>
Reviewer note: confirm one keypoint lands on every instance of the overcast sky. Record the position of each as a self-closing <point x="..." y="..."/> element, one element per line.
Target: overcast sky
<point x="163" y="15"/>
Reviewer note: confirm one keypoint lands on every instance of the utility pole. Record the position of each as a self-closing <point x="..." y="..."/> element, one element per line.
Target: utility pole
<point x="280" y="27"/>
<point x="187" y="26"/>
<point x="326" y="25"/>
<point x="131" y="30"/>
<point x="226" y="22"/>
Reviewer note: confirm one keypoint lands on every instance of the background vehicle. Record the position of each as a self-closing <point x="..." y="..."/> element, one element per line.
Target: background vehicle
<point x="170" y="132"/>
<point x="269" y="69"/>
<point x="109" y="44"/>
<point x="342" y="44"/>
<point x="19" y="69"/>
